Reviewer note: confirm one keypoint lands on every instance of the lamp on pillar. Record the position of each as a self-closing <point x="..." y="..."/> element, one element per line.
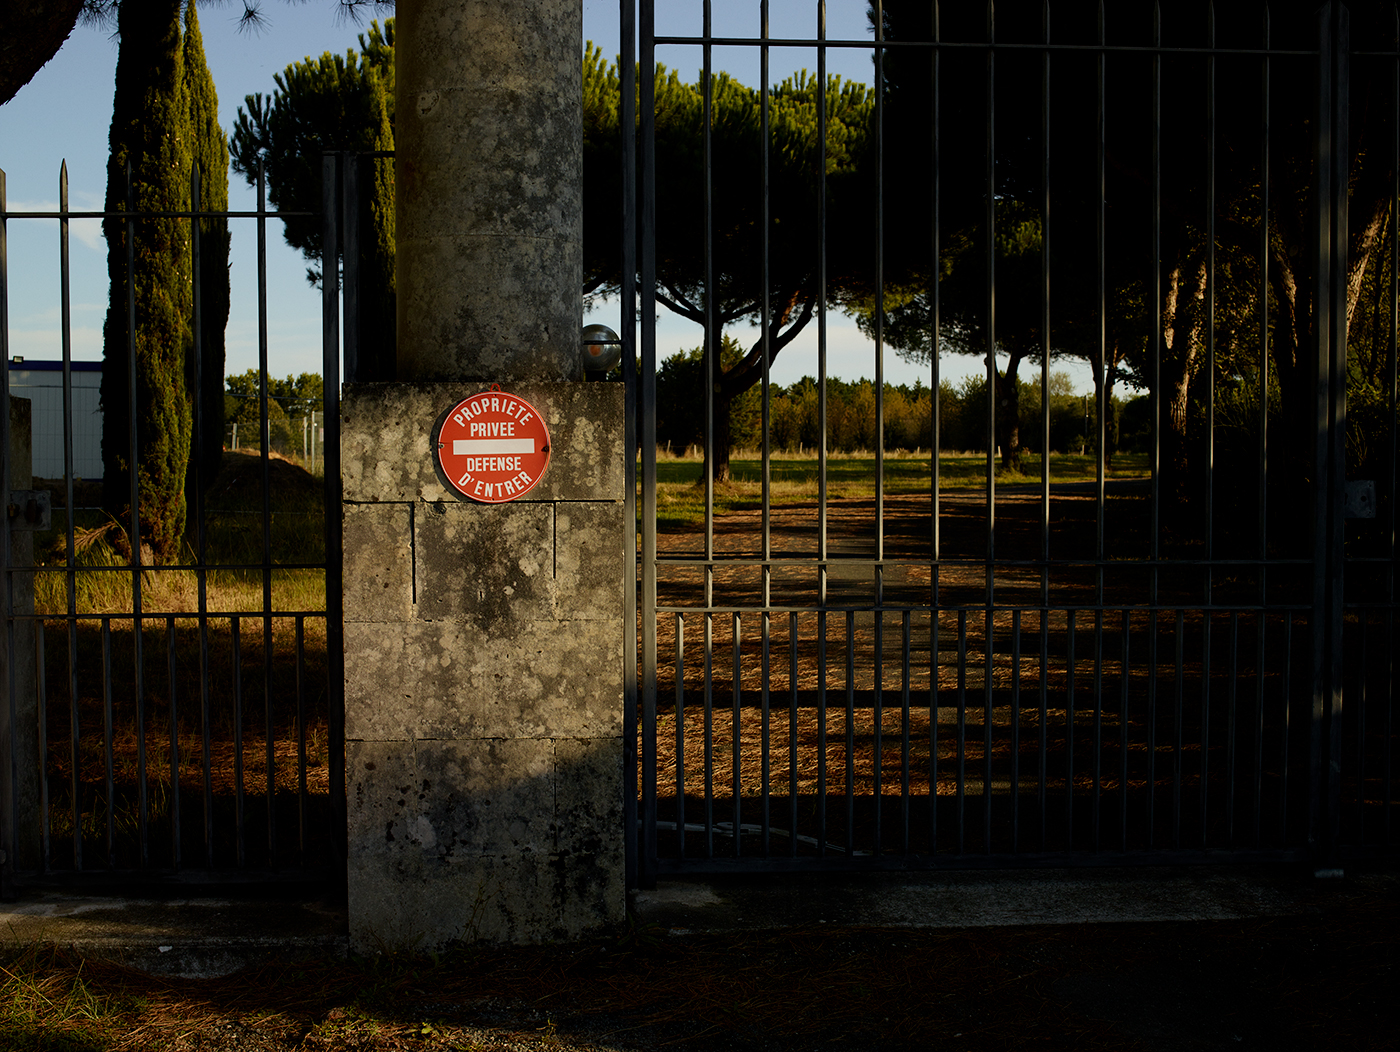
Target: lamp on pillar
<point x="602" y="350"/>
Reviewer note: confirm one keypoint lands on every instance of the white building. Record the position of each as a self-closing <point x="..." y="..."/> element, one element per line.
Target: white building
<point x="42" y="383"/>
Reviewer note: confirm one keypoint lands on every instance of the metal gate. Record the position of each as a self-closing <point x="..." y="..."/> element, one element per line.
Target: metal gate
<point x="179" y="722"/>
<point x="1186" y="656"/>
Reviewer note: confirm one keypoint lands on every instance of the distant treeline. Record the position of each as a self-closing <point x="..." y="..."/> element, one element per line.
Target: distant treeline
<point x="908" y="413"/>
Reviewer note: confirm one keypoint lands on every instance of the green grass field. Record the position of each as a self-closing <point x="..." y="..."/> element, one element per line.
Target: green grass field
<point x="680" y="492"/>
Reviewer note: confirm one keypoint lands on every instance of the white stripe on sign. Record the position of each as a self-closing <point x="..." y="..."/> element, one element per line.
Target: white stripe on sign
<point x="474" y="446"/>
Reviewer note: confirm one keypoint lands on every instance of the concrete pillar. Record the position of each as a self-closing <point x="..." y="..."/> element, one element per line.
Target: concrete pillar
<point x="488" y="143"/>
<point x="483" y="643"/>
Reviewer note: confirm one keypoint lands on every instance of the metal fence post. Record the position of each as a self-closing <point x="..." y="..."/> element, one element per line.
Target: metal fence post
<point x="1330" y="325"/>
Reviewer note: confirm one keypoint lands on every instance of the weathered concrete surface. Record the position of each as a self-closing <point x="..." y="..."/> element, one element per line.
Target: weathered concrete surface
<point x="386" y="430"/>
<point x="450" y="680"/>
<point x="25" y="730"/>
<point x="488" y="149"/>
<point x="483" y="656"/>
<point x="378" y="562"/>
<point x="485" y="840"/>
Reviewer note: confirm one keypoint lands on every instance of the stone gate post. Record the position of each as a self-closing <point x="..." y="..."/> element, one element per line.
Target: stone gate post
<point x="483" y="643"/>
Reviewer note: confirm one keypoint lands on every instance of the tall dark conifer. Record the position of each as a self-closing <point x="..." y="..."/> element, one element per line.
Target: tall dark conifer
<point x="209" y="152"/>
<point x="149" y="133"/>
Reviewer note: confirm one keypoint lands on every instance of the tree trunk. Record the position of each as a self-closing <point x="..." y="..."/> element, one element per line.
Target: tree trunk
<point x="717" y="455"/>
<point x="1008" y="427"/>
<point x="1182" y="332"/>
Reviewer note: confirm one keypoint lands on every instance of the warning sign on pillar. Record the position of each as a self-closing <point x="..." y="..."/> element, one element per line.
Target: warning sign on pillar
<point x="492" y="447"/>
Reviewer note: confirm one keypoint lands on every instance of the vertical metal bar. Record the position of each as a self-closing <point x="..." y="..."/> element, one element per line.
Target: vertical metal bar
<point x="107" y="757"/>
<point x="905" y="716"/>
<point x="1388" y="798"/>
<point x="680" y="735"/>
<point x="1261" y="624"/>
<point x="991" y="308"/>
<point x="1205" y="726"/>
<point x="1287" y="705"/>
<point x="765" y="312"/>
<point x="335" y="591"/>
<point x="1123" y="738"/>
<point x="736" y="757"/>
<point x="303" y="800"/>
<point x="1393" y="446"/>
<point x="821" y="734"/>
<point x="1098" y="722"/>
<point x="714" y="367"/>
<point x="1044" y="344"/>
<point x="1155" y="368"/>
<point x="134" y="527"/>
<point x="74" y="754"/>
<point x="935" y="347"/>
<point x="174" y="746"/>
<point x="646" y="409"/>
<point x="1015" y="782"/>
<point x="1321" y="514"/>
<point x="879" y="55"/>
<point x="708" y="703"/>
<point x="1069" y="730"/>
<point x="1101" y="394"/>
<point x="1360" y="703"/>
<point x="41" y="707"/>
<point x="933" y="684"/>
<point x="792" y="733"/>
<point x="627" y="69"/>
<point x="1230" y="735"/>
<point x="820" y="161"/>
<point x="850" y="731"/>
<point x="9" y="796"/>
<point x="766" y="718"/>
<point x="1177" y="723"/>
<point x="1261" y="307"/>
<point x="266" y="448"/>
<point x="988" y="717"/>
<point x="1210" y="323"/>
<point x="1153" y="628"/>
<point x="962" y="726"/>
<point x="239" y="824"/>
<point x="45" y="816"/>
<point x="1337" y="394"/>
<point x="877" y="711"/>
<point x="70" y="549"/>
<point x="197" y="470"/>
<point x="1043" y="746"/>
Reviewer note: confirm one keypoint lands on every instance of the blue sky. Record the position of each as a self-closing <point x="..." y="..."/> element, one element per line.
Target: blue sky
<point x="64" y="112"/>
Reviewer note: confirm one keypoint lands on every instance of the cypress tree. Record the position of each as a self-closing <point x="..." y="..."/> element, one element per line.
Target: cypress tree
<point x="209" y="151"/>
<point x="377" y="290"/>
<point x="150" y="132"/>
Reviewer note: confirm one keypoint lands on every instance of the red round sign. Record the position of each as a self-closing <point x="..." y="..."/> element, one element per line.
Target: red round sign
<point x="493" y="447"/>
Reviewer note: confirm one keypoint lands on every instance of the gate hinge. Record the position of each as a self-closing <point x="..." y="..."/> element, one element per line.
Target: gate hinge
<point x="29" y="509"/>
<point x="1360" y="501"/>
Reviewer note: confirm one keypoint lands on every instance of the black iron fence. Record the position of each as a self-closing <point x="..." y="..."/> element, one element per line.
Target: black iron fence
<point x="177" y="719"/>
<point x="1170" y="654"/>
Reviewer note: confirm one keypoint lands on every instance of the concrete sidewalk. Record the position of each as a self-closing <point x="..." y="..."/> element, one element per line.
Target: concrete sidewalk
<point x="212" y="936"/>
